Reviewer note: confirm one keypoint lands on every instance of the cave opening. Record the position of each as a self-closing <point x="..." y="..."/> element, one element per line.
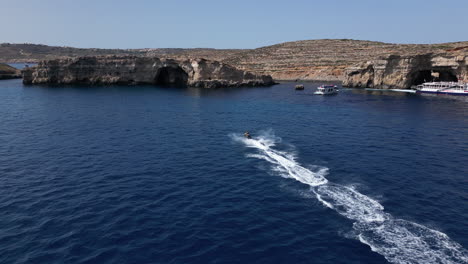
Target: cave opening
<point x="443" y="75"/>
<point x="172" y="76"/>
<point x="447" y="76"/>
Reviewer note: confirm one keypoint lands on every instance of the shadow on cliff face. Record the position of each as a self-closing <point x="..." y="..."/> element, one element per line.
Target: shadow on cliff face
<point x="171" y="76"/>
<point x="436" y="75"/>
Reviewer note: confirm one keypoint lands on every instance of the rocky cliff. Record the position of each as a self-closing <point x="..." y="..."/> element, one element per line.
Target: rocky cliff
<point x="141" y="70"/>
<point x="8" y="72"/>
<point x="323" y="59"/>
<point x="326" y="59"/>
<point x="405" y="71"/>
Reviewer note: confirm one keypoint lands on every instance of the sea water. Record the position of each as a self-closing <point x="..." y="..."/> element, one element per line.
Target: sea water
<point x="145" y="174"/>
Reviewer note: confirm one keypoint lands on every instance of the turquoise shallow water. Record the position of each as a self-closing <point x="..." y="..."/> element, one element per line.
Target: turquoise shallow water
<point x="149" y="174"/>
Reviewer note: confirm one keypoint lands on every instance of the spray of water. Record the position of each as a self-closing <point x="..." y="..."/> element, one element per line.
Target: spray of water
<point x="399" y="241"/>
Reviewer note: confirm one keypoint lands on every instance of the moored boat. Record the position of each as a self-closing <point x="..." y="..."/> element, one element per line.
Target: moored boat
<point x="326" y="90"/>
<point x="452" y="88"/>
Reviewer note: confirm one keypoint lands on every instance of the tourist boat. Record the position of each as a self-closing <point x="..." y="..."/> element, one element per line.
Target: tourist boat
<point x="453" y="88"/>
<point x="327" y="90"/>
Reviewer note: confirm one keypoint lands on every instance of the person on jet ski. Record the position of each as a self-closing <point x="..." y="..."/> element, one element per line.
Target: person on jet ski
<point x="247" y="135"/>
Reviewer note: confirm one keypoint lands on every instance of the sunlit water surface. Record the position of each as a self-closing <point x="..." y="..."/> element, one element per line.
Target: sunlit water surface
<point x="148" y="174"/>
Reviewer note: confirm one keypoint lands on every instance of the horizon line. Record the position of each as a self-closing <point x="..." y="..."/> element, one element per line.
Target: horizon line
<point x="342" y="39"/>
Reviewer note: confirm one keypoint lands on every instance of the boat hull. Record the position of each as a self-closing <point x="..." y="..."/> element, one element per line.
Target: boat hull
<point x="446" y="93"/>
<point x="320" y="93"/>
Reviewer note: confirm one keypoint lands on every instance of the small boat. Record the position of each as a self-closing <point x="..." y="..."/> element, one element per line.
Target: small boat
<point x="452" y="88"/>
<point x="299" y="87"/>
<point x="326" y="90"/>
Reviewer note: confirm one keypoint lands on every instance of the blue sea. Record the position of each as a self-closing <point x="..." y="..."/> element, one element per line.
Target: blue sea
<point x="147" y="174"/>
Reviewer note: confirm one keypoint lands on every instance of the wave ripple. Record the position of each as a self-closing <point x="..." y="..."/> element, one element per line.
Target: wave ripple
<point x="398" y="240"/>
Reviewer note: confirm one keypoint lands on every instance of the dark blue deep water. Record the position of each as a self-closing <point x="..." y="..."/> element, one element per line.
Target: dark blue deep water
<point x="148" y="174"/>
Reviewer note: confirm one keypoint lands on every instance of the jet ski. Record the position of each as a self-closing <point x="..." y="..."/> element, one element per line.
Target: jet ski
<point x="247" y="135"/>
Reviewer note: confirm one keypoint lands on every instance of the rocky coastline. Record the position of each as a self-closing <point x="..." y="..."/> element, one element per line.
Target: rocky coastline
<point x="393" y="72"/>
<point x="8" y="72"/>
<point x="355" y="63"/>
<point x="330" y="59"/>
<point x="131" y="70"/>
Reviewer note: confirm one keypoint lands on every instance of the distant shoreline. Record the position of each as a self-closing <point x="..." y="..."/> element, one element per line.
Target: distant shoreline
<point x="354" y="63"/>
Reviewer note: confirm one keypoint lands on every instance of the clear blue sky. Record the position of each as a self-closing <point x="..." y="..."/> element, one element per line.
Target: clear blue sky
<point x="228" y="24"/>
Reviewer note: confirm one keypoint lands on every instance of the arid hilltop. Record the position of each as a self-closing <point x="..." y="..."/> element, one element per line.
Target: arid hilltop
<point x="33" y="53"/>
<point x="326" y="59"/>
<point x="8" y="72"/>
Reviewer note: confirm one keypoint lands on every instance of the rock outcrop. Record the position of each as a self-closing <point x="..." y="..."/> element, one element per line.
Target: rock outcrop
<point x="405" y="71"/>
<point x="8" y="72"/>
<point x="327" y="59"/>
<point x="141" y="70"/>
<point x="322" y="59"/>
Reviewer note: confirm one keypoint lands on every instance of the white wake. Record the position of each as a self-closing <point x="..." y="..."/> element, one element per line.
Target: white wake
<point x="399" y="241"/>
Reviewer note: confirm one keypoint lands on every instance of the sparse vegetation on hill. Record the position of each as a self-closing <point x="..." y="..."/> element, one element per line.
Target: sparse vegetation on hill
<point x="8" y="72"/>
<point x="34" y="52"/>
<point x="324" y="59"/>
<point x="6" y="68"/>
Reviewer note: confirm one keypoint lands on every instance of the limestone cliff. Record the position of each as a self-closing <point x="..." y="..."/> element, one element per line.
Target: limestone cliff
<point x="8" y="72"/>
<point x="405" y="71"/>
<point x="327" y="59"/>
<point x="141" y="70"/>
<point x="322" y="59"/>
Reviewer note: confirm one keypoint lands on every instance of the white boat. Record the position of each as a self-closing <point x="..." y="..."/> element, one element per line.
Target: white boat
<point x="326" y="90"/>
<point x="453" y="88"/>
